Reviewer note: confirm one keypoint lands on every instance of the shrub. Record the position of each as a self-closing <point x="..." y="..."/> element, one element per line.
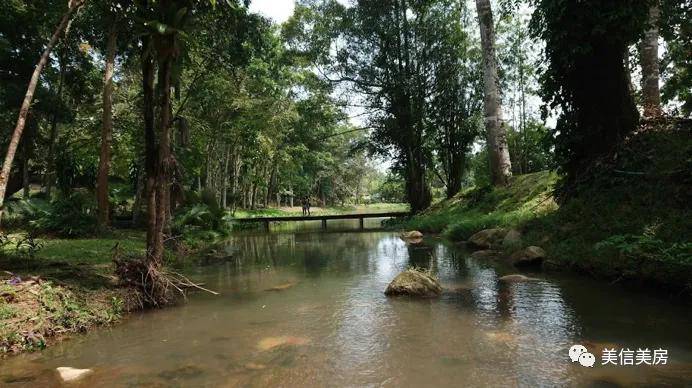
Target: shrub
<point x="72" y="216"/>
<point x="647" y="246"/>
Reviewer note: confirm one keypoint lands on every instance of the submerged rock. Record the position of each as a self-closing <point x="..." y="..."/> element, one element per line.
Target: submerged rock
<point x="488" y="238"/>
<point x="527" y="257"/>
<point x="273" y="342"/>
<point x="282" y="287"/>
<point x="183" y="372"/>
<point x="254" y="366"/>
<point x="516" y="278"/>
<point x="486" y="254"/>
<point x="414" y="283"/>
<point x="72" y="374"/>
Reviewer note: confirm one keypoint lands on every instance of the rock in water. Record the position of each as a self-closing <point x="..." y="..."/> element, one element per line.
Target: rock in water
<point x="527" y="257"/>
<point x="488" y="238"/>
<point x="486" y="254"/>
<point x="516" y="279"/>
<point x="414" y="283"/>
<point x="282" y="287"/>
<point x="272" y="342"/>
<point x="512" y="240"/>
<point x="413" y="235"/>
<point x="71" y="374"/>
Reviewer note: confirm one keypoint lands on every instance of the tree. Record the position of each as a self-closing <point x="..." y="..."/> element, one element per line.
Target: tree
<point x="456" y="101"/>
<point x="586" y="77"/>
<point x="648" y="54"/>
<point x="73" y="5"/>
<point x="381" y="56"/>
<point x="676" y="68"/>
<point x="107" y="130"/>
<point x="496" y="133"/>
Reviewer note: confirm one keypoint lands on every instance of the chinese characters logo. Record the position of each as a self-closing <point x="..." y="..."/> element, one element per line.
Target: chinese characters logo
<point x="621" y="357"/>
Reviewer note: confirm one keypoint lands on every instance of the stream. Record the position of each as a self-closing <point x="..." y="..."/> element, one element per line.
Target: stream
<point x="301" y="308"/>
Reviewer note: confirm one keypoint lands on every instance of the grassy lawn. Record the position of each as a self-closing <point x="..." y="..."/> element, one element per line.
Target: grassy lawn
<point x="317" y="211"/>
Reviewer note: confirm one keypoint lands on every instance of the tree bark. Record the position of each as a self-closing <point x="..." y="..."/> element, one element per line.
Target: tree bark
<point x="164" y="151"/>
<point x="50" y="163"/>
<point x="224" y="189"/>
<point x="496" y="133"/>
<point x="26" y="192"/>
<point x="151" y="152"/>
<point x="106" y="132"/>
<point x="28" y="97"/>
<point x="648" y="57"/>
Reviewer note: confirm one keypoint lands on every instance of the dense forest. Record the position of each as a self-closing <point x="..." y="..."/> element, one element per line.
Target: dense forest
<point x="176" y="116"/>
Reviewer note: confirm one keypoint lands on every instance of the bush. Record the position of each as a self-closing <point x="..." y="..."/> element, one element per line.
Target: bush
<point x="72" y="216"/>
<point x="647" y="246"/>
<point x="201" y="222"/>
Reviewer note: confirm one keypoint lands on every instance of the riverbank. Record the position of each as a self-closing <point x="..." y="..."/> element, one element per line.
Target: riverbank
<point x="51" y="288"/>
<point x="628" y="221"/>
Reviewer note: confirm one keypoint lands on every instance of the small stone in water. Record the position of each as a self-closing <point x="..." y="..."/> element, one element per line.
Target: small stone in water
<point x="272" y="342"/>
<point x="71" y="374"/>
<point x="254" y="366"/>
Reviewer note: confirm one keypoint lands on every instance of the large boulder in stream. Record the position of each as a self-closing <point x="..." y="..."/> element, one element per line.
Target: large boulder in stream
<point x="512" y="240"/>
<point x="413" y="282"/>
<point x="528" y="257"/>
<point x="488" y="238"/>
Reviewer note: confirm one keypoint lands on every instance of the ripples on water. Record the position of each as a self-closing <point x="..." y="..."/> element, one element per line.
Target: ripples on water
<point x="333" y="326"/>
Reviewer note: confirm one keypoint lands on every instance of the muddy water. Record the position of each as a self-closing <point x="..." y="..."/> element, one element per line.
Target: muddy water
<point x="307" y="309"/>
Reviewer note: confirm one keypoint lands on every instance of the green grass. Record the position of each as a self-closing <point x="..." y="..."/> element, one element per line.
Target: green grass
<point x="316" y="210"/>
<point x="91" y="250"/>
<point x="526" y="198"/>
<point x="627" y="220"/>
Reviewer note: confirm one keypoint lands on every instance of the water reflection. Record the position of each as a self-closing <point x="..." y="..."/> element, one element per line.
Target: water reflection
<point x="327" y="323"/>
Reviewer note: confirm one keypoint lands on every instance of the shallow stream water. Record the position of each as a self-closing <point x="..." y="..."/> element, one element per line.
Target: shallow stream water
<point x="306" y="308"/>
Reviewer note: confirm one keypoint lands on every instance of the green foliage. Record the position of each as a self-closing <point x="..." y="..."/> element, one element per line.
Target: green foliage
<point x="676" y="64"/>
<point x="391" y="189"/>
<point x="527" y="197"/>
<point x="28" y="246"/>
<point x="531" y="149"/>
<point x="585" y="76"/>
<point x="648" y="247"/>
<point x="71" y="216"/>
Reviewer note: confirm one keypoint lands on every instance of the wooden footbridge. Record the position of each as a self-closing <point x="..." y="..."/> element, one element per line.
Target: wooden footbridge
<point x="356" y="216"/>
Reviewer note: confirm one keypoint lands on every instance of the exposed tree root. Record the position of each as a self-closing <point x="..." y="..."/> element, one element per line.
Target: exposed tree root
<point x="158" y="286"/>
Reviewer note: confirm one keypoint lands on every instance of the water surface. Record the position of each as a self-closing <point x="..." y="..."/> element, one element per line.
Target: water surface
<point x="328" y="323"/>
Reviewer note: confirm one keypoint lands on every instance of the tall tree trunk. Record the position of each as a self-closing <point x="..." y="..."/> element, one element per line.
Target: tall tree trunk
<point x="648" y="56"/>
<point x="226" y="172"/>
<point x="26" y="192"/>
<point x="49" y="176"/>
<point x="106" y="132"/>
<point x="139" y="193"/>
<point x="164" y="162"/>
<point x="496" y="133"/>
<point x="28" y="97"/>
<point x="151" y="152"/>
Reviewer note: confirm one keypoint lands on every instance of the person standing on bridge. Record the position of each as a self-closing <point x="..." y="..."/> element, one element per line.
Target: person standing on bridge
<point x="306" y="206"/>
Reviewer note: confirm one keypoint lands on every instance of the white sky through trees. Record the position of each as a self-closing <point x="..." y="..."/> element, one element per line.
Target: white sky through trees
<point x="278" y="10"/>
